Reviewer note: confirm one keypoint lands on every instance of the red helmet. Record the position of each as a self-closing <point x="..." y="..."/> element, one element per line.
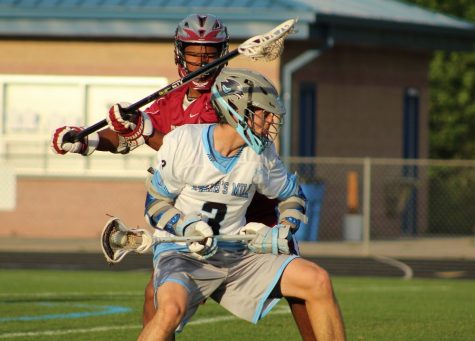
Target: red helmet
<point x="202" y="29"/>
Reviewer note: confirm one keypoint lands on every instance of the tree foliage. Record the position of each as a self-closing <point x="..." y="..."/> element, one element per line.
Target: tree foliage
<point x="452" y="96"/>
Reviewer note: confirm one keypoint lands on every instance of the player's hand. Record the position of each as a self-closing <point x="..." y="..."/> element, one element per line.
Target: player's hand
<point x="203" y="249"/>
<point x="267" y="239"/>
<point x="60" y="144"/>
<point x="195" y="224"/>
<point x="132" y="131"/>
<point x="117" y="123"/>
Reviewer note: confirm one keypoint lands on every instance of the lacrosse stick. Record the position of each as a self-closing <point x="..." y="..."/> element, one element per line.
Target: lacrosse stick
<point x="267" y="46"/>
<point x="117" y="240"/>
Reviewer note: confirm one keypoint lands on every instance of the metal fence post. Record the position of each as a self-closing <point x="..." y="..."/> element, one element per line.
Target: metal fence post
<point x="366" y="204"/>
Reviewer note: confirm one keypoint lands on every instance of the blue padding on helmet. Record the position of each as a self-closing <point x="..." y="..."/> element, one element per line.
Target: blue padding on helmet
<point x="252" y="140"/>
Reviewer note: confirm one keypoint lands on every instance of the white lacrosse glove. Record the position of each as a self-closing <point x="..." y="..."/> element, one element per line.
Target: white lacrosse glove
<point x="267" y="239"/>
<point x="194" y="225"/>
<point x="132" y="133"/>
<point x="61" y="146"/>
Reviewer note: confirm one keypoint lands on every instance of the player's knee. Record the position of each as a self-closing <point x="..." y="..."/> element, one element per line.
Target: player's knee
<point x="171" y="311"/>
<point x="321" y="287"/>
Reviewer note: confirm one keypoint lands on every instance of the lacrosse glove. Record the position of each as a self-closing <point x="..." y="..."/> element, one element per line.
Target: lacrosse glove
<point x="195" y="225"/>
<point x="61" y="145"/>
<point x="132" y="131"/>
<point x="267" y="239"/>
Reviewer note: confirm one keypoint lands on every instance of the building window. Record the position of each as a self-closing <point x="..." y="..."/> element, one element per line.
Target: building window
<point x="32" y="106"/>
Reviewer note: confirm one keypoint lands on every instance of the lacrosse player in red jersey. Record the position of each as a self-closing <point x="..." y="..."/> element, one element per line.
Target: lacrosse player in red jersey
<point x="199" y="39"/>
<point x="203" y="181"/>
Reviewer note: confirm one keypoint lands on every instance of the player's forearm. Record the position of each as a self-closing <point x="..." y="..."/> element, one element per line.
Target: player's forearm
<point x="155" y="140"/>
<point x="108" y="141"/>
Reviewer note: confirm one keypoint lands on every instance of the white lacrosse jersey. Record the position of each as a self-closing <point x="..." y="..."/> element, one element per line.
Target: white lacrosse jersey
<point x="189" y="170"/>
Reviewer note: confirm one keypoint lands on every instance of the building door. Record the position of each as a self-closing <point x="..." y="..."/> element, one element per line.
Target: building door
<point x="307" y="146"/>
<point x="307" y="119"/>
<point x="410" y="151"/>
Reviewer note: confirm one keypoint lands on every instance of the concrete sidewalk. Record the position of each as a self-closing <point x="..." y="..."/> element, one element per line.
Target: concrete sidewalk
<point x="458" y="248"/>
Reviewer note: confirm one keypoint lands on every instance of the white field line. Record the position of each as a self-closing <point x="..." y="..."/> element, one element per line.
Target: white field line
<point x="71" y="293"/>
<point x="383" y="288"/>
<point x="406" y="269"/>
<point x="366" y="288"/>
<point x="279" y="311"/>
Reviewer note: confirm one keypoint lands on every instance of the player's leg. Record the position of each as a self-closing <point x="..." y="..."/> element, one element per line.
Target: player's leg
<point x="300" y="315"/>
<point x="172" y="301"/>
<point x="148" y="305"/>
<point x="299" y="311"/>
<point x="263" y="210"/>
<point x="306" y="280"/>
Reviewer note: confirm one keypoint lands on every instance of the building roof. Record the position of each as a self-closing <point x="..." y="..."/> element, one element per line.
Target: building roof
<point x="146" y="19"/>
<point x="392" y="23"/>
<point x="348" y="21"/>
<point x="397" y="12"/>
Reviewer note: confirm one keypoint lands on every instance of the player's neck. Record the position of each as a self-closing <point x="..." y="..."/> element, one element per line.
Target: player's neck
<point x="193" y="94"/>
<point x="227" y="140"/>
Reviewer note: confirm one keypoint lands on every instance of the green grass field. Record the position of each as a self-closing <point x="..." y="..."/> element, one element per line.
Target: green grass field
<point x="86" y="305"/>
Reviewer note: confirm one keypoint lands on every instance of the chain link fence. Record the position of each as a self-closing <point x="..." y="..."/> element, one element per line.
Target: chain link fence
<point x="395" y="198"/>
<point x="352" y="199"/>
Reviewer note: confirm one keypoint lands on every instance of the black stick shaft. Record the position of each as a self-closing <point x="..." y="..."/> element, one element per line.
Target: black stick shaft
<point x="74" y="137"/>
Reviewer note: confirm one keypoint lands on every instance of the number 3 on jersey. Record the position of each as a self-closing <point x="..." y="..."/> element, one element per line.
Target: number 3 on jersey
<point x="216" y="212"/>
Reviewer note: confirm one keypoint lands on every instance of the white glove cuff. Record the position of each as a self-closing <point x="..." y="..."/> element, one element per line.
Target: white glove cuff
<point x="148" y="125"/>
<point x="91" y="143"/>
<point x="136" y="137"/>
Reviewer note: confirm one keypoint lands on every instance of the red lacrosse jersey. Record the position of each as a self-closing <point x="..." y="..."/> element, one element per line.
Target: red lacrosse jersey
<point x="167" y="113"/>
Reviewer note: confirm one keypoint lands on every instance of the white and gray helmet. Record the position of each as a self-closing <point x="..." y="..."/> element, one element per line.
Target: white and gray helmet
<point x="236" y="94"/>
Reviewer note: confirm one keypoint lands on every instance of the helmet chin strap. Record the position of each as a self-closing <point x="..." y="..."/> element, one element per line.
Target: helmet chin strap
<point x="197" y="84"/>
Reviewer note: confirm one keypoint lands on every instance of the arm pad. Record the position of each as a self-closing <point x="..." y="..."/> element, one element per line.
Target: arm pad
<point x="159" y="210"/>
<point x="292" y="211"/>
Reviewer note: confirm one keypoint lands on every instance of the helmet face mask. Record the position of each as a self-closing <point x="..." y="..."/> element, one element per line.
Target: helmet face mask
<point x="202" y="30"/>
<point x="263" y="123"/>
<point x="247" y="101"/>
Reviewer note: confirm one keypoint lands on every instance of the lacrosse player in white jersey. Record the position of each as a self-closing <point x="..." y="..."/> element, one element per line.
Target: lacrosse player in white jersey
<point x="204" y="179"/>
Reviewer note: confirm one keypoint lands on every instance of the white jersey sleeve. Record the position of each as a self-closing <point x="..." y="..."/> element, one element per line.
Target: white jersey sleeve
<point x="167" y="177"/>
<point x="273" y="180"/>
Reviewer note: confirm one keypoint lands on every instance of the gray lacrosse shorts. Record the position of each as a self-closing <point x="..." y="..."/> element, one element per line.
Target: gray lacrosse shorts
<point x="239" y="280"/>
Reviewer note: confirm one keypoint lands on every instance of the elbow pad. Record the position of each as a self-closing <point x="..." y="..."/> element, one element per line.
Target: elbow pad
<point x="292" y="210"/>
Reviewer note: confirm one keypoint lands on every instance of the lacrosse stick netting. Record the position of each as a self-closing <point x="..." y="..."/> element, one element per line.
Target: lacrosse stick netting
<point x="268" y="46"/>
<point x="117" y="240"/>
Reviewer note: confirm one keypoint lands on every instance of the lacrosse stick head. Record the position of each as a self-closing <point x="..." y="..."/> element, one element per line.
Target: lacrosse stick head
<point x="268" y="46"/>
<point x="117" y="240"/>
